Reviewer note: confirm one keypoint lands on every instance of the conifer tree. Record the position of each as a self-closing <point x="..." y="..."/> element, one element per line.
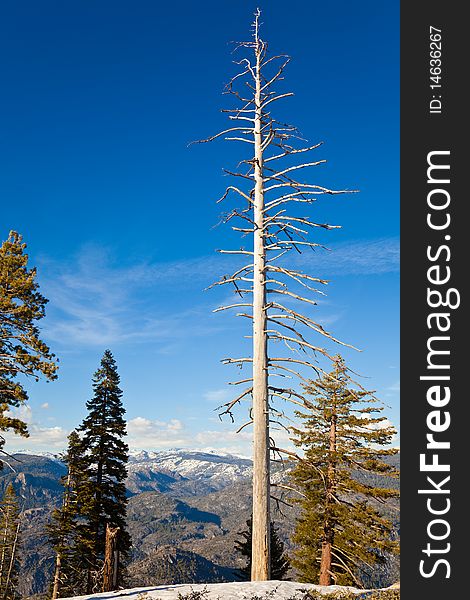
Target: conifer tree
<point x="66" y="529"/>
<point x="341" y="532"/>
<point x="22" y="352"/>
<point x="279" y="560"/>
<point x="9" y="536"/>
<point x="106" y="455"/>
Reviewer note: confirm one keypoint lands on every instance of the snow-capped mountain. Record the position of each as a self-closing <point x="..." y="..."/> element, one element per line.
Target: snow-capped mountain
<point x="186" y="470"/>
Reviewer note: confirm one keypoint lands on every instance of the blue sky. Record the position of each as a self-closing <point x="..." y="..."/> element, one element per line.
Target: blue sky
<point x="98" y="105"/>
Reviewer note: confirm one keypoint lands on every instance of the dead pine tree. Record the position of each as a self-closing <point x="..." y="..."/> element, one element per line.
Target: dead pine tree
<point x="268" y="278"/>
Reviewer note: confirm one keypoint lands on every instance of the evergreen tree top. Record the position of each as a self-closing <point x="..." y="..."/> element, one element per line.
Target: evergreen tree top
<point x="107" y="376"/>
<point x="360" y="434"/>
<point x="21" y="305"/>
<point x="74" y="456"/>
<point x="106" y="411"/>
<point x="9" y="496"/>
<point x="108" y="364"/>
<point x="22" y="352"/>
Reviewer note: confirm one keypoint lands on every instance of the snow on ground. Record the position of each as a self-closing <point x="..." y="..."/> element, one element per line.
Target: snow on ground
<point x="275" y="590"/>
<point x="193" y="464"/>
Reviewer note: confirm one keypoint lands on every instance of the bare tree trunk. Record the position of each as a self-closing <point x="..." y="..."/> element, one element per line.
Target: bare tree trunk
<point x="325" y="565"/>
<point x="12" y="558"/>
<point x="328" y="529"/>
<point x="273" y="188"/>
<point x="260" y="561"/>
<point x="3" y="554"/>
<point x="110" y="575"/>
<point x="116" y="569"/>
<point x="55" y="587"/>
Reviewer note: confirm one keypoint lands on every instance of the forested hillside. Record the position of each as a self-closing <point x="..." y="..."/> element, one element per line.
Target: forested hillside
<point x="185" y="512"/>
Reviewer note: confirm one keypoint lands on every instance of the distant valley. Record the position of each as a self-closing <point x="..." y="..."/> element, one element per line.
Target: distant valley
<point x="186" y="509"/>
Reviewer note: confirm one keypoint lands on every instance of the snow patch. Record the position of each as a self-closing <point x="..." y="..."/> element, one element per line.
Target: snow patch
<point x="277" y="590"/>
<point x="192" y="465"/>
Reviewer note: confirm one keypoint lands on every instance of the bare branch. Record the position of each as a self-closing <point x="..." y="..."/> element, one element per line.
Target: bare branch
<point x="233" y="361"/>
<point x="229" y="405"/>
<point x="244" y="425"/>
<point x="225" y="280"/>
<point x="265" y="104"/>
<point x="294" y="168"/>
<point x="235" y="252"/>
<point x="238" y="139"/>
<point x="288" y="487"/>
<point x="217" y="135"/>
<point x="306" y="221"/>
<point x="292" y="151"/>
<point x="273" y="361"/>
<point x="297" y="186"/>
<point x="292" y="295"/>
<point x="295" y="275"/>
<point x="234" y="189"/>
<point x="277" y="75"/>
<point x="220" y="308"/>
<point x="299" y="281"/>
<point x="288" y="370"/>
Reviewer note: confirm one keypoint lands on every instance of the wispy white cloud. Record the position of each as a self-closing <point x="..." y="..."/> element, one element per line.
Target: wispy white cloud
<point x="94" y="301"/>
<point x="357" y="257"/>
<point x="217" y="396"/>
<point x="40" y="437"/>
<point x="142" y="434"/>
<point x="380" y="425"/>
<point x="368" y="257"/>
<point x="147" y="434"/>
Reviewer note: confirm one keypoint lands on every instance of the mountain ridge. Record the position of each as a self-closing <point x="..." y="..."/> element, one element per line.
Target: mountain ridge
<point x="186" y="509"/>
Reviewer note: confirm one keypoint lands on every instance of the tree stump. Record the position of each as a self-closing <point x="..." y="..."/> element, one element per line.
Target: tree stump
<point x="111" y="560"/>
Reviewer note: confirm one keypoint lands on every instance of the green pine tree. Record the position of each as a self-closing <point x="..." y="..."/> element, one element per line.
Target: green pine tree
<point x="106" y="455"/>
<point x="22" y="353"/>
<point x="9" y="537"/>
<point x="279" y="560"/>
<point x="66" y="527"/>
<point x="340" y="531"/>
